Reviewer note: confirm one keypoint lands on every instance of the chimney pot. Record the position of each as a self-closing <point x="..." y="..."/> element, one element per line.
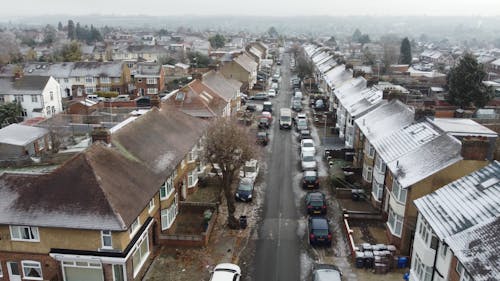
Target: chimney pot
<point x="101" y="134"/>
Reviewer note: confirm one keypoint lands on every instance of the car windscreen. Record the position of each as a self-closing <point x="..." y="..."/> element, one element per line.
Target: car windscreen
<point x="308" y="144"/>
<point x="301" y="122"/>
<point x="320" y="232"/>
<point x="310" y="178"/>
<point x="263" y="120"/>
<point x="308" y="158"/>
<point x="245" y="186"/>
<point x="249" y="169"/>
<point x="285" y="118"/>
<point x="316" y="203"/>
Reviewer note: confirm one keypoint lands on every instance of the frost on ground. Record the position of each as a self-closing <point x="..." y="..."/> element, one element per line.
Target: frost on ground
<point x="306" y="264"/>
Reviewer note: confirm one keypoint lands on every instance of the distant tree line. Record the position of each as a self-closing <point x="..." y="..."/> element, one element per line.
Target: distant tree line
<point x="89" y="35"/>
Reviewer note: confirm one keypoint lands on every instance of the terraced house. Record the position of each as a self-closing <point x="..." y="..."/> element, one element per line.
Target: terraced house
<point x="99" y="216"/>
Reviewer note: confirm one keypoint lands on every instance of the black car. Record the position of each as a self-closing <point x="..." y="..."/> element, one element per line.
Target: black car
<point x="304" y="134"/>
<point x="244" y="192"/>
<point x="264" y="123"/>
<point x="251" y="107"/>
<point x="319" y="231"/>
<point x="262" y="138"/>
<point x="310" y="180"/>
<point x="315" y="203"/>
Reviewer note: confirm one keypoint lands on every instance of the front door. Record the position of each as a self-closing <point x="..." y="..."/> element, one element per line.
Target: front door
<point x="14" y="273"/>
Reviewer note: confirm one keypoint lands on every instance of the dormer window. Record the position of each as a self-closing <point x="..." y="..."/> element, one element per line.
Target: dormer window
<point x="179" y="96"/>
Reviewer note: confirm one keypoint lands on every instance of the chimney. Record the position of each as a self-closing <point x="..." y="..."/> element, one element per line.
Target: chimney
<point x="198" y="76"/>
<point x="475" y="148"/>
<point x="155" y="101"/>
<point x="421" y="112"/>
<point x="101" y="134"/>
<point x="18" y="74"/>
<point x="213" y="66"/>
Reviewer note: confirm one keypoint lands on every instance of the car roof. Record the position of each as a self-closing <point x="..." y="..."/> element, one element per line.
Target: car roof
<point x="268" y="102"/>
<point x="315" y="195"/>
<point x="262" y="134"/>
<point x="327" y="275"/>
<point x="307" y="141"/>
<point x="305" y="132"/>
<point x="301" y="115"/>
<point x="319" y="223"/>
<point x="310" y="173"/>
<point x="246" y="181"/>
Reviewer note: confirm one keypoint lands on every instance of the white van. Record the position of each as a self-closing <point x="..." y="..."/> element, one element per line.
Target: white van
<point x="122" y="98"/>
<point x="285" y="118"/>
<point x="93" y="98"/>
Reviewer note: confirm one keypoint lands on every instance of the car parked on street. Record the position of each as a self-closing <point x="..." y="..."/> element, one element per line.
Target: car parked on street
<point x="297" y="106"/>
<point x="260" y="96"/>
<point x="263" y="123"/>
<point x="250" y="169"/>
<point x="308" y="161"/>
<point x="262" y="138"/>
<point x="315" y="203"/>
<point x="301" y="125"/>
<point x="326" y="272"/>
<point x="310" y="180"/>
<point x="307" y="145"/>
<point x="271" y="93"/>
<point x="226" y="272"/>
<point x="267" y="106"/>
<point x="319" y="231"/>
<point x="251" y="107"/>
<point x="267" y="115"/>
<point x="244" y="192"/>
<point x="304" y="134"/>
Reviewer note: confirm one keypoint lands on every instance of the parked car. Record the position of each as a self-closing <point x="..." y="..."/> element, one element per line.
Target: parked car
<point x="267" y="106"/>
<point x="260" y="96"/>
<point x="319" y="231"/>
<point x="264" y="123"/>
<point x="271" y="93"/>
<point x="310" y="180"/>
<point x="315" y="203"/>
<point x="244" y="192"/>
<point x="251" y="107"/>
<point x="322" y="272"/>
<point x="308" y="161"/>
<point x="226" y="272"/>
<point x="297" y="106"/>
<point x="301" y="125"/>
<point x="307" y="145"/>
<point x="262" y="138"/>
<point x="304" y="134"/>
<point x="250" y="169"/>
<point x="267" y="115"/>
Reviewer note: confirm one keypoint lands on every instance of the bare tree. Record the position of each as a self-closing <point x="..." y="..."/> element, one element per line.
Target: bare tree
<point x="229" y="146"/>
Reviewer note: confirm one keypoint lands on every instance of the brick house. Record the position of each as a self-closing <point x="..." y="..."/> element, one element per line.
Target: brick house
<point x="108" y="203"/>
<point x="242" y="68"/>
<point x="148" y="79"/>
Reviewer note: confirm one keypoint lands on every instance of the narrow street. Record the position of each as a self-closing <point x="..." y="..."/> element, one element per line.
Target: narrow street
<point x="277" y="254"/>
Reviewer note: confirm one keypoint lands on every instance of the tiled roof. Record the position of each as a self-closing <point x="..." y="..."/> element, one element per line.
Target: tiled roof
<point x="221" y="85"/>
<point x="463" y="203"/>
<point x="246" y="62"/>
<point x="462" y="127"/>
<point x="95" y="69"/>
<point x="23" y="86"/>
<point x="478" y="250"/>
<point x="148" y="69"/>
<point x="337" y="76"/>
<point x="385" y="119"/>
<point x="404" y="140"/>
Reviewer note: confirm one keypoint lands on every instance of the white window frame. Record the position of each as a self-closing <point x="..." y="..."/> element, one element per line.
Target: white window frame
<point x="138" y="249"/>
<point x="168" y="215"/>
<point x="134" y="227"/>
<point x="395" y="218"/>
<point x="1" y="271"/>
<point x="168" y="187"/>
<point x="122" y="269"/>
<point x="377" y="190"/>
<point x="367" y="173"/>
<point x="398" y="192"/>
<point x="105" y="80"/>
<point x="192" y="178"/>
<point x="151" y="205"/>
<point x="423" y="272"/>
<point x="369" y="150"/>
<point x="464" y="276"/>
<point x="106" y="233"/>
<point x="151" y="81"/>
<point x="24" y="265"/>
<point x="34" y="98"/>
<point x="89" y="79"/>
<point x="16" y="229"/>
<point x="380" y="165"/>
<point x="152" y="91"/>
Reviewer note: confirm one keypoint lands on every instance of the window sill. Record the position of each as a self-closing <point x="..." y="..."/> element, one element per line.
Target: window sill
<point x="167" y="196"/>
<point x="32" y="278"/>
<point x="25" y="240"/>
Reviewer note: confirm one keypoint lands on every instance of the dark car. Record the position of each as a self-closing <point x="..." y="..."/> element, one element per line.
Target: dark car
<point x="251" y="107"/>
<point x="297" y="106"/>
<point x="322" y="272"/>
<point x="319" y="231"/>
<point x="310" y="179"/>
<point x="264" y="123"/>
<point x="304" y="134"/>
<point x="244" y="192"/>
<point x="315" y="203"/>
<point x="262" y="138"/>
<point x="301" y="124"/>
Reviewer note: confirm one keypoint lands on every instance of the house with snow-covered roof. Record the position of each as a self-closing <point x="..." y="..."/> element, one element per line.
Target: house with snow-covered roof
<point x="457" y="229"/>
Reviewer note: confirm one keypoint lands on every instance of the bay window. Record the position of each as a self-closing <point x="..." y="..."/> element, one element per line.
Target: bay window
<point x="399" y="192"/>
<point x="377" y="190"/>
<point x="395" y="223"/>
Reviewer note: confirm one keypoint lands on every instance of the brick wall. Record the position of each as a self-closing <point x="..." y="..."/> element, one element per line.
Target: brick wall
<point x="50" y="267"/>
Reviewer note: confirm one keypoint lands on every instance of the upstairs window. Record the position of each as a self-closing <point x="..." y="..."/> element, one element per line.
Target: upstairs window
<point x="399" y="192"/>
<point x="24" y="233"/>
<point x="134" y="227"/>
<point x="107" y="241"/>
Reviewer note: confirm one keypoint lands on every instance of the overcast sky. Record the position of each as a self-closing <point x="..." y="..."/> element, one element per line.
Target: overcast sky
<point x="249" y="7"/>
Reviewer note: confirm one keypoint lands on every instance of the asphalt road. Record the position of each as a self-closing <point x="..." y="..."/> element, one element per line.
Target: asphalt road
<point x="277" y="255"/>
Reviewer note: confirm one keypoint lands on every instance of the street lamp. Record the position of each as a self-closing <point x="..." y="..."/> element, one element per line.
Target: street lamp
<point x="324" y="129"/>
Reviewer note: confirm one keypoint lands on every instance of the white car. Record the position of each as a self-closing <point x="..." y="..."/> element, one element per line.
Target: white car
<point x="307" y="145"/>
<point x="308" y="161"/>
<point x="226" y="272"/>
<point x="271" y="93"/>
<point x="250" y="170"/>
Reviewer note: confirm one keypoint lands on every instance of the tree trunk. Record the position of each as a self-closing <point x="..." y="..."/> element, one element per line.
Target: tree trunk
<point x="232" y="222"/>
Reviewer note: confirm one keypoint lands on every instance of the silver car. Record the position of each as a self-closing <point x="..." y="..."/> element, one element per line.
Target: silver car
<point x="326" y="272"/>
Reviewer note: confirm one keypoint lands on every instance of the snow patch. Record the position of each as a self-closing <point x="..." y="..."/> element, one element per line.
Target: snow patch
<point x="163" y="161"/>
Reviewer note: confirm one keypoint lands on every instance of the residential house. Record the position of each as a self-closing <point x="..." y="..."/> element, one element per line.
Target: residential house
<point x="19" y="141"/>
<point x="457" y="229"/>
<point x="82" y="107"/>
<point x="198" y="100"/>
<point x="139" y="52"/>
<point x="39" y="96"/>
<point x="110" y="202"/>
<point x="148" y="78"/>
<point x="60" y="71"/>
<point x="494" y="67"/>
<point x="242" y="68"/>
<point x="228" y="89"/>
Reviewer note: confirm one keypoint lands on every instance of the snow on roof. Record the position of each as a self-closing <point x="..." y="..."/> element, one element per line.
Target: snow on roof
<point x="122" y="124"/>
<point x="462" y="127"/>
<point x="371" y="98"/>
<point x="337" y="76"/>
<point x="463" y="203"/>
<point x="427" y="160"/>
<point x="21" y="135"/>
<point x="477" y="249"/>
<point x="406" y="139"/>
<point x="87" y="102"/>
<point x="496" y="62"/>
<point x="385" y="120"/>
